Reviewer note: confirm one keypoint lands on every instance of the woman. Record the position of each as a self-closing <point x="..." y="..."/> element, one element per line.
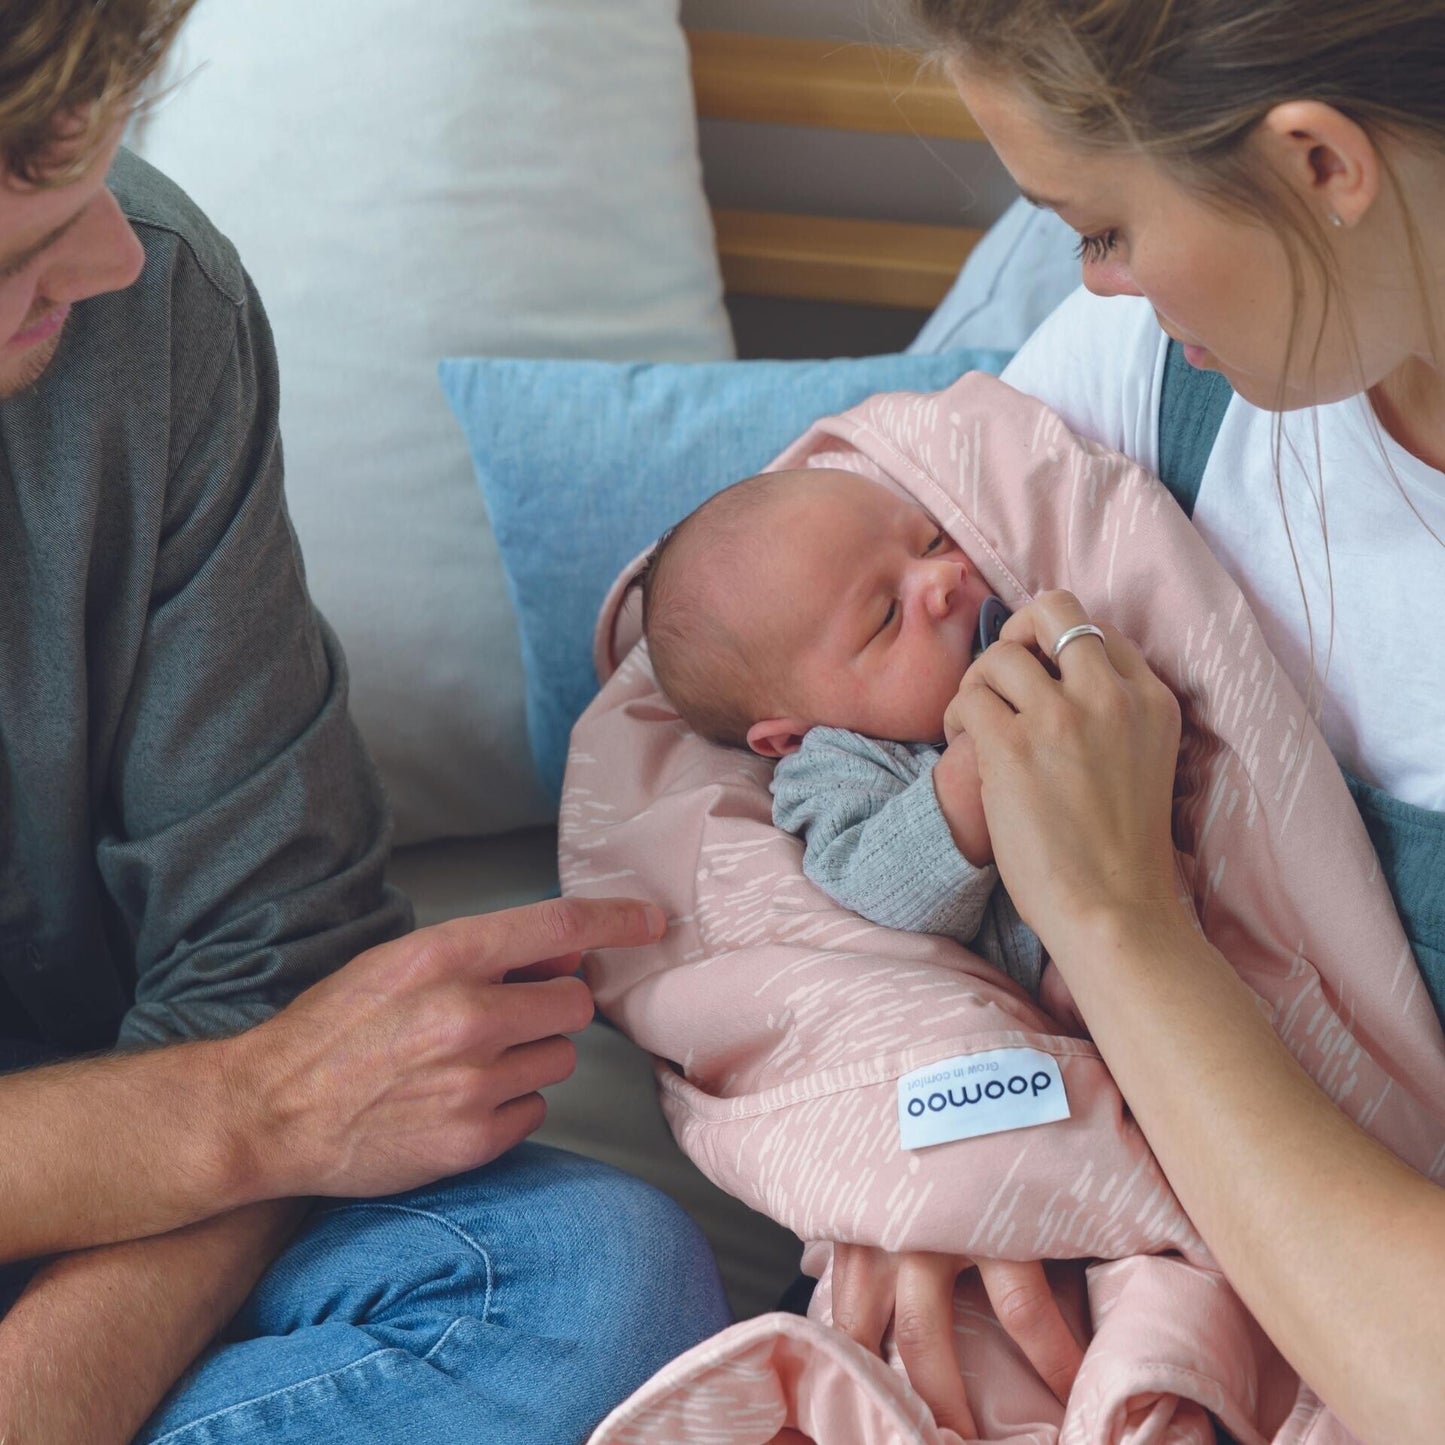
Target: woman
<point x="1263" y="181"/>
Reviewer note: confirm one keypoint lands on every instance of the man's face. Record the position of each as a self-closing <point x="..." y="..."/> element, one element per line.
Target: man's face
<point x="58" y="245"/>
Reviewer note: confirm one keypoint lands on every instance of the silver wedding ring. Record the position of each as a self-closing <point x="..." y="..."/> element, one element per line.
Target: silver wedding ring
<point x="1084" y="629"/>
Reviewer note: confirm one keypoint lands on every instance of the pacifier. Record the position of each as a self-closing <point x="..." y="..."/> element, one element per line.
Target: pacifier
<point x="991" y="618"/>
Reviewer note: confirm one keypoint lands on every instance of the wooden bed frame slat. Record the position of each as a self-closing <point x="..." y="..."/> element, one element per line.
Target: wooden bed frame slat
<point x="827" y="83"/>
<point x="822" y="258"/>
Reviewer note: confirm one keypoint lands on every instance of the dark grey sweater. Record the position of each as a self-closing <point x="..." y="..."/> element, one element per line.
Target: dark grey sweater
<point x="190" y="829"/>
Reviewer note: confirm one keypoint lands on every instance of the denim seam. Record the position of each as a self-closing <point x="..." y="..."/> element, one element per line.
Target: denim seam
<point x="182" y="1430"/>
<point x="439" y="1219"/>
<point x="445" y="1336"/>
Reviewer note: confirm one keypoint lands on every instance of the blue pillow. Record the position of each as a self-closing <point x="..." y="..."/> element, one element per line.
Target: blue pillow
<point x="584" y="463"/>
<point x="1024" y="265"/>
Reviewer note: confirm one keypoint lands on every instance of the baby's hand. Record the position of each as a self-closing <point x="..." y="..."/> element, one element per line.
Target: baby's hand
<point x="959" y="791"/>
<point x="950" y="730"/>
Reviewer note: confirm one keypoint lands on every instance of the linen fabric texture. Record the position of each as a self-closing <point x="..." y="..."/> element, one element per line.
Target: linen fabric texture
<point x="583" y="464"/>
<point x="465" y="177"/>
<point x="783" y="1024"/>
<point x="192" y="831"/>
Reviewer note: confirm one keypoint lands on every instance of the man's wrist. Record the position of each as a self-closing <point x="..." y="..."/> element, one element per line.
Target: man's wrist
<point x="125" y="1146"/>
<point x="99" y="1336"/>
<point x="240" y="1163"/>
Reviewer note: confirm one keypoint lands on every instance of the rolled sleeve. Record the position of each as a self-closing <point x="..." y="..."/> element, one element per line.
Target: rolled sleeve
<point x="246" y="834"/>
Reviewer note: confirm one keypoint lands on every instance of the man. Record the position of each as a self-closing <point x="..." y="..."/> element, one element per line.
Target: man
<point x="192" y="912"/>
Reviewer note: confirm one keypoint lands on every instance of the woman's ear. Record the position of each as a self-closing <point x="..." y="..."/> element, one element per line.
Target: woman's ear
<point x="1329" y="159"/>
<point x="776" y="737"/>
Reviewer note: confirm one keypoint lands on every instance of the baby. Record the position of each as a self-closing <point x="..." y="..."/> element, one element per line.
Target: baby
<point x="823" y="620"/>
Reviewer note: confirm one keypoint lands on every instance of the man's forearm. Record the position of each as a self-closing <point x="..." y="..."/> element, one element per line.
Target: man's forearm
<point x="119" y="1147"/>
<point x="97" y="1339"/>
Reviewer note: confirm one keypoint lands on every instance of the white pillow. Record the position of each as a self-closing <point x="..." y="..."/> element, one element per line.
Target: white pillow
<point x="407" y="182"/>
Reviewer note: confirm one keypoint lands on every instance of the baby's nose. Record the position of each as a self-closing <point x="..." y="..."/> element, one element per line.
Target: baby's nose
<point x="942" y="587"/>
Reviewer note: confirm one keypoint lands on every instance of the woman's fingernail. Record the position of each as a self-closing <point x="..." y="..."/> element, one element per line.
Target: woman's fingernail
<point x="656" y="921"/>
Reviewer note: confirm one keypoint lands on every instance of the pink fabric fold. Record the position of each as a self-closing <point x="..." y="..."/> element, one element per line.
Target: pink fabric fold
<point x="782" y="1023"/>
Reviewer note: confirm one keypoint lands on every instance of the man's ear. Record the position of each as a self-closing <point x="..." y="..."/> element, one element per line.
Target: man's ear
<point x="776" y="737"/>
<point x="1327" y="158"/>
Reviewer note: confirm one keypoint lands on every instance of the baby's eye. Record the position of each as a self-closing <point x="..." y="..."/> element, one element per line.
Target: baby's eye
<point x="888" y="618"/>
<point x="935" y="544"/>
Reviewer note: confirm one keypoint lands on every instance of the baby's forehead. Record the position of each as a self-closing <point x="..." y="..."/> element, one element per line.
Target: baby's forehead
<point x="798" y="519"/>
<point x="824" y="488"/>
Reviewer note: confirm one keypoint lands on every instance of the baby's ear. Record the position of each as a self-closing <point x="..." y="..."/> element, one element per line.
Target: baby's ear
<point x="776" y="737"/>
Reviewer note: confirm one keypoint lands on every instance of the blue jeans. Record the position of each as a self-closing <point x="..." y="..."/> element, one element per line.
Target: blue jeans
<point x="515" y="1305"/>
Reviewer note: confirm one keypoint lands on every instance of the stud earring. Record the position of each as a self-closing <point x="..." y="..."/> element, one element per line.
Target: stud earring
<point x="1335" y="219"/>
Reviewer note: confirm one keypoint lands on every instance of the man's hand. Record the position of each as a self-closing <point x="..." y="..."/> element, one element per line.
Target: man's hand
<point x="422" y="1057"/>
<point x="417" y="1059"/>
<point x="915" y="1292"/>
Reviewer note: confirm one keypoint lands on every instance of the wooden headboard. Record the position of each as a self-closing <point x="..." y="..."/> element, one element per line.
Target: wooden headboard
<point x="837" y="86"/>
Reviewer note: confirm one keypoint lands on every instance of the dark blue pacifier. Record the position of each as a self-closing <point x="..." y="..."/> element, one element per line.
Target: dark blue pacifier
<point x="991" y="618"/>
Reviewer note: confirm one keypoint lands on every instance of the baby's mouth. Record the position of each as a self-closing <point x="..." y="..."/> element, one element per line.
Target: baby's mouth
<point x="991" y="617"/>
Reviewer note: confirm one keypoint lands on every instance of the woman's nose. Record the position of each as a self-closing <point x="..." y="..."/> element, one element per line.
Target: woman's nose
<point x="1109" y="277"/>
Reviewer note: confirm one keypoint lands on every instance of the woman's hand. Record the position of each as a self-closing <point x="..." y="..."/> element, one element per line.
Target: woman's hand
<point x="1077" y="763"/>
<point x="914" y="1291"/>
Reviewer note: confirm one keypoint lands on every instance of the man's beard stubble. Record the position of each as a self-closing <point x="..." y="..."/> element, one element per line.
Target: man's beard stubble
<point x="29" y="366"/>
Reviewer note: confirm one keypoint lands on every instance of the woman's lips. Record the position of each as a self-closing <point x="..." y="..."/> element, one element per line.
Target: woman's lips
<point x="41" y="330"/>
<point x="1194" y="354"/>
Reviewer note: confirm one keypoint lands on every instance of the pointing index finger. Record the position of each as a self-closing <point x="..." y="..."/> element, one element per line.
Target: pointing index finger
<point x="493" y="944"/>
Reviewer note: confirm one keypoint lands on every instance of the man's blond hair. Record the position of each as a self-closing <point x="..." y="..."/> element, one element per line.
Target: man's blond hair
<point x="68" y="70"/>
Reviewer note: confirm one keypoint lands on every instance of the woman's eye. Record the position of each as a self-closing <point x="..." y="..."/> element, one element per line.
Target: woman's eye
<point x="934" y="545"/>
<point x="1097" y="247"/>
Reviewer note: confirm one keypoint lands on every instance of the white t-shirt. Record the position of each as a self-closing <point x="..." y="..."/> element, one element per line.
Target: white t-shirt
<point x="1099" y="362"/>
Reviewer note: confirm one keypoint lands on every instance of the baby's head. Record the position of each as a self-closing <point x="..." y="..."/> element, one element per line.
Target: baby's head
<point x="806" y="598"/>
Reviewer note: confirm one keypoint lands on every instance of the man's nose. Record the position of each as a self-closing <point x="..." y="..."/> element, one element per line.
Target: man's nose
<point x="100" y="253"/>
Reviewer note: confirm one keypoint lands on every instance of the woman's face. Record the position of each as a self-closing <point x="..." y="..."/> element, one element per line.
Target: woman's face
<point x="1218" y="281"/>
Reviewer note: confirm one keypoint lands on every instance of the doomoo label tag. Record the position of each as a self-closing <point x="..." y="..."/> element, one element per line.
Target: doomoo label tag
<point x="977" y="1094"/>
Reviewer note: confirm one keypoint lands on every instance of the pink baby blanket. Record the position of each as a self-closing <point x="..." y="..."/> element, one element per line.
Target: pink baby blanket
<point x="804" y="1054"/>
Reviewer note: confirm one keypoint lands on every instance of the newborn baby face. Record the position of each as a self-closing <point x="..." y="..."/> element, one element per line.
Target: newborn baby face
<point x="865" y="608"/>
